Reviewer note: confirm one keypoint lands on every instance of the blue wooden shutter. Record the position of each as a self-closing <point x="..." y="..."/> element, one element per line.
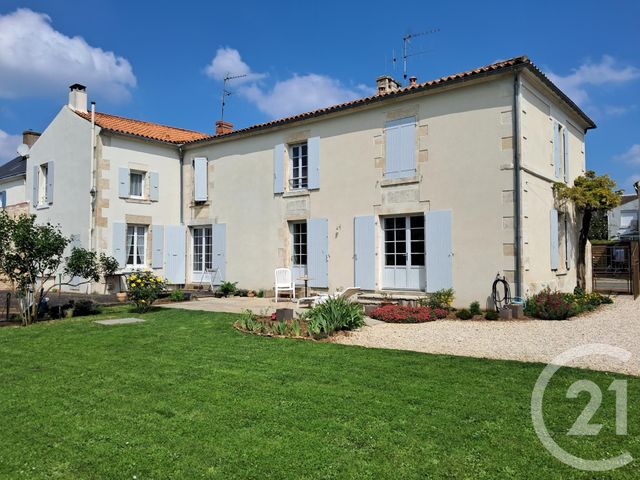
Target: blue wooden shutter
<point x="34" y="186"/>
<point x="3" y="199"/>
<point x="175" y="254"/>
<point x="220" y="252"/>
<point x="313" y="151"/>
<point x="200" y="180"/>
<point x="364" y="252"/>
<point x="318" y="252"/>
<point x="154" y="186"/>
<point x="556" y="149"/>
<point x="123" y="183"/>
<point x="278" y="168"/>
<point x="565" y="145"/>
<point x="400" y="139"/>
<point x="568" y="235"/>
<point x="439" y="255"/>
<point x="157" y="247"/>
<point x="119" y="245"/>
<point x="49" y="192"/>
<point x="555" y="250"/>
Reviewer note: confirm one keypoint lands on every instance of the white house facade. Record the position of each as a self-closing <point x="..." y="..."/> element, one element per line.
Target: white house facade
<point x="434" y="185"/>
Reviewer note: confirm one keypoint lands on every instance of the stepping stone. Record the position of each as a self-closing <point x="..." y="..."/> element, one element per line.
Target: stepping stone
<point x="119" y="321"/>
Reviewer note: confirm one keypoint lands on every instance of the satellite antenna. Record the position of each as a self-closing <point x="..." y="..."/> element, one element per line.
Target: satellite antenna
<point x="23" y="149"/>
<point x="225" y="92"/>
<point x="405" y="43"/>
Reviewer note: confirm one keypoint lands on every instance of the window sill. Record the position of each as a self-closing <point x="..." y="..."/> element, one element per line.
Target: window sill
<point x="42" y="207"/>
<point x="195" y="204"/>
<point x="143" y="201"/>
<point x="303" y="192"/>
<point x="390" y="182"/>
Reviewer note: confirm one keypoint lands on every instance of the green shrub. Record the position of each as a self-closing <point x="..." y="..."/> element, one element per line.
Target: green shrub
<point x="82" y="308"/>
<point x="241" y="292"/>
<point x="464" y="314"/>
<point x="177" y="296"/>
<point x="491" y="315"/>
<point x="247" y="320"/>
<point x="144" y="288"/>
<point x="281" y="327"/>
<point x="334" y="314"/>
<point x="227" y="288"/>
<point x="474" y="308"/>
<point x="260" y="293"/>
<point x="553" y="305"/>
<point x="295" y="328"/>
<point x="441" y="299"/>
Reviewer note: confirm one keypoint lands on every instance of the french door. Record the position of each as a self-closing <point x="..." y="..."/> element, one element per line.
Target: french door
<point x="202" y="255"/>
<point x="404" y="253"/>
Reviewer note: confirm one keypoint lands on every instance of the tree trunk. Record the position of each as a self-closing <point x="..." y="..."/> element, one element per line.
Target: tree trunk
<point x="582" y="248"/>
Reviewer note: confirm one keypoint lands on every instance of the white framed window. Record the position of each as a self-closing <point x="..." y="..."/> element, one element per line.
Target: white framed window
<point x="202" y="249"/>
<point x="299" y="244"/>
<point x="628" y="220"/>
<point x="404" y="241"/>
<point x="136" y="246"/>
<point x="299" y="178"/>
<point x="136" y="184"/>
<point x="43" y="181"/>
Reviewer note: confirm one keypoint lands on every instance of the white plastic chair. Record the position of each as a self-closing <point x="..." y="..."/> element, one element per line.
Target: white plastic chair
<point x="284" y="283"/>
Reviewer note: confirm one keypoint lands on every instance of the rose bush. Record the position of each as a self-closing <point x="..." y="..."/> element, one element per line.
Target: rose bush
<point x="402" y="314"/>
<point x="144" y="288"/>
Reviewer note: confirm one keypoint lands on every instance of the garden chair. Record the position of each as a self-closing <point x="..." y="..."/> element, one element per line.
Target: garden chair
<point x="318" y="299"/>
<point x="284" y="283"/>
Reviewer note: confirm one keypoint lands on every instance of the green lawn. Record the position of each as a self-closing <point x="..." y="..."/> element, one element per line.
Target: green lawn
<point x="184" y="395"/>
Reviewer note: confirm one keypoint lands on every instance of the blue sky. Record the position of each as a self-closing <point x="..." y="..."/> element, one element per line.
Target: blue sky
<point x="162" y="61"/>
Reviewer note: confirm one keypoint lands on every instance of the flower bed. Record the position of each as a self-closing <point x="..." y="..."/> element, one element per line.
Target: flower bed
<point x="404" y="314"/>
<point x="554" y="305"/>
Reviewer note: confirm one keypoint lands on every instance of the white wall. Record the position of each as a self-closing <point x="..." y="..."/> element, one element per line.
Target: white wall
<point x="15" y="190"/>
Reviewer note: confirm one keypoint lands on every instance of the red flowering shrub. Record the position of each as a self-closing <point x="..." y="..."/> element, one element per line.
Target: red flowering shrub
<point x="551" y="305"/>
<point x="400" y="314"/>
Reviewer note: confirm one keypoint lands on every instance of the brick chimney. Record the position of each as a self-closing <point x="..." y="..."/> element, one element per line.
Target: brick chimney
<point x="223" y="127"/>
<point x="386" y="84"/>
<point x="412" y="81"/>
<point x="29" y="137"/>
<point x="78" y="98"/>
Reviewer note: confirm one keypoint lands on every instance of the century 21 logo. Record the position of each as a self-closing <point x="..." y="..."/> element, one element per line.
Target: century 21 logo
<point x="583" y="425"/>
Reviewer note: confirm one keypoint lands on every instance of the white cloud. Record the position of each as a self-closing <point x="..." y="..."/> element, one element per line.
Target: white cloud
<point x="301" y="93"/>
<point x="297" y="94"/>
<point x="631" y="156"/>
<point x="228" y="62"/>
<point x="605" y="72"/>
<point x="36" y="60"/>
<point x="8" y="145"/>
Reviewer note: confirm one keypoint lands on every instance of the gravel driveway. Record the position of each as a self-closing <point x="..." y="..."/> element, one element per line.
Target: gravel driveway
<point x="527" y="340"/>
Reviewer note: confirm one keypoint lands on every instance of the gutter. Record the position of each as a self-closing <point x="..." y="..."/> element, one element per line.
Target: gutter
<point x="181" y="163"/>
<point x="517" y="184"/>
<point x="92" y="193"/>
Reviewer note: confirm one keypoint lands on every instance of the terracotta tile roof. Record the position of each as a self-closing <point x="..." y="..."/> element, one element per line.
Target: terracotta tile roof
<point x="497" y="67"/>
<point x="144" y="129"/>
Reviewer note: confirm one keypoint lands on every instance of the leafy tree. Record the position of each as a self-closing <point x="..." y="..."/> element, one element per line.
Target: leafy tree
<point x="599" y="226"/>
<point x="590" y="194"/>
<point x="31" y="254"/>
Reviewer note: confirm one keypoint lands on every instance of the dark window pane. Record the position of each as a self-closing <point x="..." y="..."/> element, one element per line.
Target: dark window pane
<point x="304" y="149"/>
<point x="389" y="223"/>
<point x="417" y="259"/>
<point x="389" y="260"/>
<point x="389" y="247"/>
<point x="388" y="235"/>
<point x="417" y="247"/>
<point x="401" y="260"/>
<point x="401" y="235"/>
<point x="401" y="222"/>
<point x="417" y="222"/>
<point x="417" y="234"/>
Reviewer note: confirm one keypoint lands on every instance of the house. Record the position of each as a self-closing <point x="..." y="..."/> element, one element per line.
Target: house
<point x="13" y="178"/>
<point x="623" y="220"/>
<point x="416" y="188"/>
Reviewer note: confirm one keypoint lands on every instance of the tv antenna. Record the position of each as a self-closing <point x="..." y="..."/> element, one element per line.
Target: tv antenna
<point x="405" y="51"/>
<point x="225" y="92"/>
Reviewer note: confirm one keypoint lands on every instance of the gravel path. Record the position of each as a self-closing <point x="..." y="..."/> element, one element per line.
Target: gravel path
<point x="527" y="340"/>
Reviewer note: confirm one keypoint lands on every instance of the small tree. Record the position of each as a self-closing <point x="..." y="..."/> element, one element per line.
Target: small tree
<point x="599" y="226"/>
<point x="31" y="254"/>
<point x="590" y="193"/>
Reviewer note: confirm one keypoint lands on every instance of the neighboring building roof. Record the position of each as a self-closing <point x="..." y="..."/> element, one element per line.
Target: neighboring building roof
<point x="153" y="131"/>
<point x="628" y="199"/>
<point x="515" y="63"/>
<point x="13" y="168"/>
